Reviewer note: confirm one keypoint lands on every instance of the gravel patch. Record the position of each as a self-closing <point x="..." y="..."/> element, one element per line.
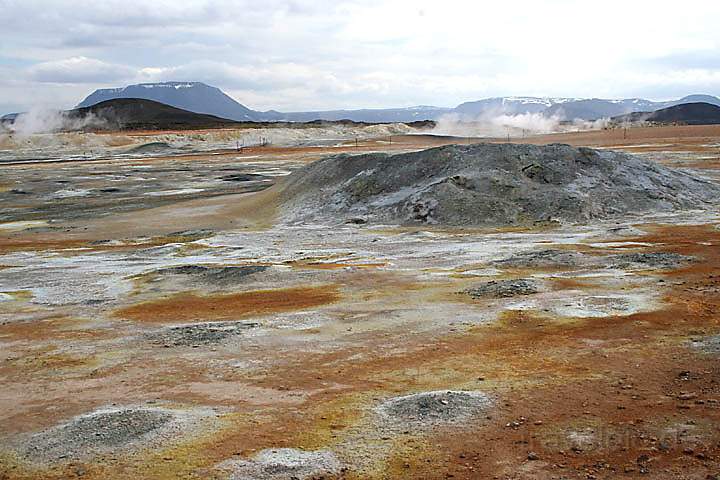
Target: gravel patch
<point x="659" y="260"/>
<point x="503" y="289"/>
<point x="604" y="306"/>
<point x="283" y="464"/>
<point x="200" y="333"/>
<point x="710" y="344"/>
<point x="560" y="258"/>
<point x="543" y="258"/>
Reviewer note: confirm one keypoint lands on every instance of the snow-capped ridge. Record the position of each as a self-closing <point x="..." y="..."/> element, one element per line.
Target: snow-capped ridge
<point x="202" y="98"/>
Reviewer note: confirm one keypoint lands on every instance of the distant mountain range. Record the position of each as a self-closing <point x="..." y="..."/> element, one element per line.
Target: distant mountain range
<point x="567" y="108"/>
<point x="142" y="114"/>
<point x="201" y="98"/>
<point x="402" y="115"/>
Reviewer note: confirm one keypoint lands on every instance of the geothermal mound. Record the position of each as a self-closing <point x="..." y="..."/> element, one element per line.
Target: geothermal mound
<point x="108" y="429"/>
<point x="489" y="185"/>
<point x="426" y="409"/>
<point x="284" y="464"/>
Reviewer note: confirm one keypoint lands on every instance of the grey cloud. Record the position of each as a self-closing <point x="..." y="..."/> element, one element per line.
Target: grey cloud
<point x="80" y="70"/>
<point x="303" y="54"/>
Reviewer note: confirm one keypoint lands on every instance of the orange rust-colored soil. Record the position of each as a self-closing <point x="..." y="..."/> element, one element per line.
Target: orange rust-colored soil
<point x="52" y="327"/>
<point x="641" y="402"/>
<point x="631" y="381"/>
<point x="188" y="307"/>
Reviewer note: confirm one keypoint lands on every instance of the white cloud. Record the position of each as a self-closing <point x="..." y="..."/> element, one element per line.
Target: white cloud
<point x="295" y="54"/>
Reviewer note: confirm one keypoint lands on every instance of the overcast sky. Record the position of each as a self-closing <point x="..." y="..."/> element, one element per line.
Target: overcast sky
<point x="325" y="54"/>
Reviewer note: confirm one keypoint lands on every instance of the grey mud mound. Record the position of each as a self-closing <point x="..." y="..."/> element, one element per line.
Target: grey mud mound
<point x="564" y="259"/>
<point x="503" y="289"/>
<point x="489" y="185"/>
<point x="152" y="147"/>
<point x="542" y="258"/>
<point x="102" y="430"/>
<point x="655" y="260"/>
<point x="284" y="464"/>
<point x="215" y="275"/>
<point x="427" y="409"/>
<point x="201" y="333"/>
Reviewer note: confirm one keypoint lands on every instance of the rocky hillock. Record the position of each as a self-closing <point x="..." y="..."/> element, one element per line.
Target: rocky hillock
<point x="489" y="185"/>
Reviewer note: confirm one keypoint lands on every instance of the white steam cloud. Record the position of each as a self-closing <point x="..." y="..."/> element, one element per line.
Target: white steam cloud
<point x="51" y="121"/>
<point x="494" y="124"/>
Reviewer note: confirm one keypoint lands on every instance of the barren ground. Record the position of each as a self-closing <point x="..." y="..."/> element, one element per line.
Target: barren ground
<point x="156" y="322"/>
